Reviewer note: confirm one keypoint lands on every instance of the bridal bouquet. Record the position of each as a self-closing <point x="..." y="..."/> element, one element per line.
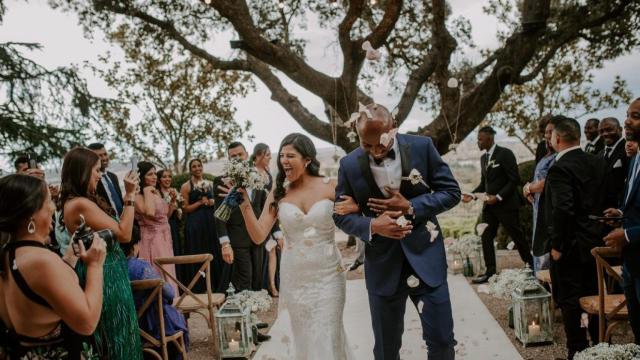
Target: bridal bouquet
<point x="604" y="351"/>
<point x="240" y="174"/>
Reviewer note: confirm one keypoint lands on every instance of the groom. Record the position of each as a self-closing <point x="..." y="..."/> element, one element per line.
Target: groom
<point x="400" y="261"/>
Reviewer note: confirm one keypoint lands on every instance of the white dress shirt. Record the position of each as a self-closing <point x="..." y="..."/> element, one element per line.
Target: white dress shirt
<point x="389" y="172"/>
<point x="561" y="153"/>
<point x="104" y="179"/>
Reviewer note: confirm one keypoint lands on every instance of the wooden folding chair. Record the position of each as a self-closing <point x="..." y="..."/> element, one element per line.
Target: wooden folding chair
<point x="610" y="308"/>
<point x="189" y="302"/>
<point x="150" y="343"/>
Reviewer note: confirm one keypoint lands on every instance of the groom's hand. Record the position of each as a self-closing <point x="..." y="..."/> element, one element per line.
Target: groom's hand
<point x="386" y="225"/>
<point x="396" y="202"/>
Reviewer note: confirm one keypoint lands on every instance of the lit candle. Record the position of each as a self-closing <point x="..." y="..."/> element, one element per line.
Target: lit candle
<point x="457" y="266"/>
<point x="234" y="346"/>
<point x="534" y="330"/>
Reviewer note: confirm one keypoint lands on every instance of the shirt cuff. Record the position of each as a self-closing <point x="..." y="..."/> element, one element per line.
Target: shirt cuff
<point x="499" y="197"/>
<point x="224" y="239"/>
<point x="626" y="236"/>
<point x="278" y="235"/>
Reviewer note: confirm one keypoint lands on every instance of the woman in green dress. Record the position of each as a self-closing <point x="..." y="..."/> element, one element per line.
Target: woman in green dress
<point x="117" y="336"/>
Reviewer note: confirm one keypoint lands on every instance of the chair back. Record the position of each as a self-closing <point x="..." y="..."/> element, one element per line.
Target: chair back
<point x="601" y="254"/>
<point x="204" y="272"/>
<point x="155" y="285"/>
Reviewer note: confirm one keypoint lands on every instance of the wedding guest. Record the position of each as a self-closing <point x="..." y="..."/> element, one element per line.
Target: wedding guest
<point x="346" y="206"/>
<point x="140" y="269"/>
<point x="627" y="237"/>
<point x="117" y="336"/>
<point x="238" y="250"/>
<point x="595" y="143"/>
<point x="21" y="164"/>
<point x="499" y="181"/>
<point x="45" y="312"/>
<point x="631" y="148"/>
<point x="543" y="147"/>
<point x="572" y="193"/>
<point x="108" y="187"/>
<point x="261" y="159"/>
<point x="617" y="163"/>
<point x="534" y="193"/>
<point x="151" y="214"/>
<point x="199" y="229"/>
<point x="174" y="213"/>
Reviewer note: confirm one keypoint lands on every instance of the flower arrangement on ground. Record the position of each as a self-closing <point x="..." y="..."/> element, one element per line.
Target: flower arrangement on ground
<point x="604" y="351"/>
<point x="502" y="285"/>
<point x="465" y="246"/>
<point x="238" y="174"/>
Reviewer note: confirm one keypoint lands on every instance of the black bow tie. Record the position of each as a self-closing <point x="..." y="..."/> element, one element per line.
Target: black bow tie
<point x="390" y="155"/>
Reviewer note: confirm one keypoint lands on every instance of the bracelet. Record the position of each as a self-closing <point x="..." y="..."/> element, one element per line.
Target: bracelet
<point x="129" y="203"/>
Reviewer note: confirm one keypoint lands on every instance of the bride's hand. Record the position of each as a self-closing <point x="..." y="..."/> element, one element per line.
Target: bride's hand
<point x="346" y="206"/>
<point x="245" y="195"/>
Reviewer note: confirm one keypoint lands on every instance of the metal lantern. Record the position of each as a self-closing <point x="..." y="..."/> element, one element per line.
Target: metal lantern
<point x="235" y="337"/>
<point x="532" y="312"/>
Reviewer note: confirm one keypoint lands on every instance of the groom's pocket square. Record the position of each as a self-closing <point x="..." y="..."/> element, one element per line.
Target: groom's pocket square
<point x="493" y="166"/>
<point x="617" y="164"/>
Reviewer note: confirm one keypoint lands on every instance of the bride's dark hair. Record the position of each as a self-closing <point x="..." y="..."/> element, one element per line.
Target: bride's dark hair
<point x="305" y="147"/>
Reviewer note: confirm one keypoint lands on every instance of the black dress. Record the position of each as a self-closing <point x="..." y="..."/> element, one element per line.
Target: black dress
<point x="200" y="237"/>
<point x="60" y="343"/>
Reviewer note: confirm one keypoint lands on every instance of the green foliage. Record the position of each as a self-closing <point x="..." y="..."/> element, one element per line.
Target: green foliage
<point x="185" y="105"/>
<point x="42" y="111"/>
<point x="564" y="87"/>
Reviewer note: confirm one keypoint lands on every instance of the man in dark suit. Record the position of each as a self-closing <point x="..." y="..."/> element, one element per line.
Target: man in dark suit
<point x="109" y="185"/>
<point x="400" y="262"/>
<point x="572" y="193"/>
<point x="627" y="237"/>
<point x="236" y="245"/>
<point x="499" y="181"/>
<point x="595" y="143"/>
<point x="617" y="162"/>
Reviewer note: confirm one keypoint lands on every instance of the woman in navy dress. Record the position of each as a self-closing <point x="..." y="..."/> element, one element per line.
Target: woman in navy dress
<point x="200" y="235"/>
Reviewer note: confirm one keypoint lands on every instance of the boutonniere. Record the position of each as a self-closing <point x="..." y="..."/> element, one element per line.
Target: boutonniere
<point x="433" y="230"/>
<point x="492" y="164"/>
<point x="415" y="178"/>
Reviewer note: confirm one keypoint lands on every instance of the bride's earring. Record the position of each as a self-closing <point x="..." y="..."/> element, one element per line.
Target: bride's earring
<point x="31" y="228"/>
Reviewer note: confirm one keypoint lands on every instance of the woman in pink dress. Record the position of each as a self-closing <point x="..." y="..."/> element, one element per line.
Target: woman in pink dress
<point x="151" y="214"/>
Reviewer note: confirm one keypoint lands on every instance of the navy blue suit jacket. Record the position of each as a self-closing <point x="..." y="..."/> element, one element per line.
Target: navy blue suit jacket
<point x="631" y="224"/>
<point x="384" y="257"/>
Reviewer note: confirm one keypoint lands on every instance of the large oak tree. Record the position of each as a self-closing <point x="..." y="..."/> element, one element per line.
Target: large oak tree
<point x="420" y="38"/>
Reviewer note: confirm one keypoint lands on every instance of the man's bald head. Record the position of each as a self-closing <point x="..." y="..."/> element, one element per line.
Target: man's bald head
<point x="371" y="128"/>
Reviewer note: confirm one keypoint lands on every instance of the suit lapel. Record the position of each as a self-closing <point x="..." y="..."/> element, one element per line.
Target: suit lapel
<point x="634" y="186"/>
<point x="365" y="168"/>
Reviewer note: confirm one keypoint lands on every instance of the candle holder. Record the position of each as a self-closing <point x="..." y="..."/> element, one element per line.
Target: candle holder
<point x="235" y="337"/>
<point x="531" y="312"/>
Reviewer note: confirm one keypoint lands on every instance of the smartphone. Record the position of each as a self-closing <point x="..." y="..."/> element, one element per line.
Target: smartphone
<point x="134" y="163"/>
<point x="33" y="161"/>
<point x="606" y="218"/>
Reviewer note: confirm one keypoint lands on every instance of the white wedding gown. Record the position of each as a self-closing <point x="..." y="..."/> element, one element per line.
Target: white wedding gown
<point x="313" y="283"/>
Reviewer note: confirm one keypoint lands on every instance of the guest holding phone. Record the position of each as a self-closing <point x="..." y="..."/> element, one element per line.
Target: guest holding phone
<point x="117" y="336"/>
<point x="43" y="308"/>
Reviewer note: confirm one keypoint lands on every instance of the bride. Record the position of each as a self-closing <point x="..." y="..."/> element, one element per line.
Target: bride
<point x="313" y="283"/>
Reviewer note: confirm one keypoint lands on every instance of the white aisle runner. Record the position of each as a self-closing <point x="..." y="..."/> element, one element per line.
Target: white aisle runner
<point x="479" y="336"/>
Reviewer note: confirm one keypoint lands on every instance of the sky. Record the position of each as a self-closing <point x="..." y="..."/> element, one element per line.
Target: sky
<point x="64" y="44"/>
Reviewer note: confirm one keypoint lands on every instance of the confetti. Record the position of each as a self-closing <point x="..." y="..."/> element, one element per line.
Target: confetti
<point x="402" y="221"/>
<point x="511" y="245"/>
<point x="352" y="136"/>
<point x="372" y="54"/>
<point x="480" y="228"/>
<point x="413" y="281"/>
<point x="202" y="273"/>
<point x="584" y="320"/>
<point x="420" y="305"/>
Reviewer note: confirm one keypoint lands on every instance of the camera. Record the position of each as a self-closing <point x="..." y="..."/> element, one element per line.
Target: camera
<point x="85" y="234"/>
